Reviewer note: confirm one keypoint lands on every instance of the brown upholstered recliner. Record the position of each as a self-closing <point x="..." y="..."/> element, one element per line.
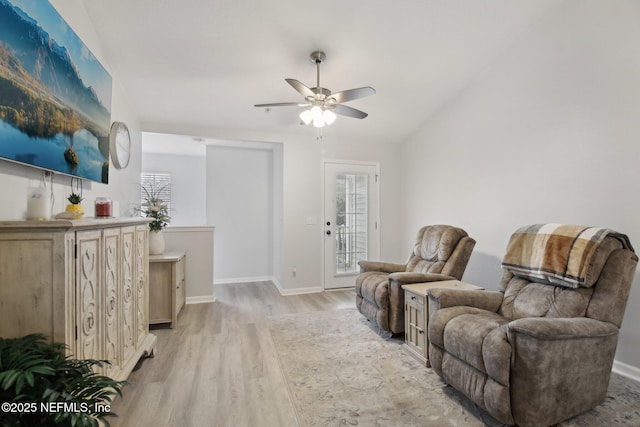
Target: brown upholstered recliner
<point x="541" y="349"/>
<point x="441" y="252"/>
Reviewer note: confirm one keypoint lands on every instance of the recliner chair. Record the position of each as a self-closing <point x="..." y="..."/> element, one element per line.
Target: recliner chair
<point x="441" y="252"/>
<point x="541" y="349"/>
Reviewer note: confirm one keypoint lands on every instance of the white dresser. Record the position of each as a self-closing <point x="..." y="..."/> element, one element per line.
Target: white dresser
<point x="80" y="282"/>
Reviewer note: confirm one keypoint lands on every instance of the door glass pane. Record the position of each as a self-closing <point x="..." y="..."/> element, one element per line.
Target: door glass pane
<point x="351" y="221"/>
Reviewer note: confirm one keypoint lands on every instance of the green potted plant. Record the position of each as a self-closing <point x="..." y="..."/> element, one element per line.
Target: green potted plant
<point x="154" y="207"/>
<point x="40" y="386"/>
<point x="74" y="205"/>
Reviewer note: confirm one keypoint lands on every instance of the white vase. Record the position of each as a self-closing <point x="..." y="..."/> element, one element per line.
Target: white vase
<point x="156" y="242"/>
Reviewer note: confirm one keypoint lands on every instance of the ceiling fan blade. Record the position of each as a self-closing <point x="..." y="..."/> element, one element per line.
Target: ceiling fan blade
<point x="301" y="88"/>
<point x="284" y="104"/>
<point x="343" y="110"/>
<point x="351" y="94"/>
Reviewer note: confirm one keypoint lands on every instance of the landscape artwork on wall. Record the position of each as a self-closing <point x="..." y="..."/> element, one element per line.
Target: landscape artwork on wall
<point x="55" y="97"/>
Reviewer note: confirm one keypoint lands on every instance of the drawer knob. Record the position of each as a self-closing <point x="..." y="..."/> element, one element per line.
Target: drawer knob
<point x="413" y="298"/>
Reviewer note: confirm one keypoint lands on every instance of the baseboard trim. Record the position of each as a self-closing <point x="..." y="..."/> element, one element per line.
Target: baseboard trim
<point x="300" y="291"/>
<point x="200" y="300"/>
<point x="235" y="280"/>
<point x="276" y="282"/>
<point x="626" y="370"/>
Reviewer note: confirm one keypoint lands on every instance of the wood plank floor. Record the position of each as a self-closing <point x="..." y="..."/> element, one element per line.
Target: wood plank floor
<point x="218" y="366"/>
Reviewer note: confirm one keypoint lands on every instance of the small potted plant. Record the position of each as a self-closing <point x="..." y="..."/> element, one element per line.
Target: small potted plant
<point x="74" y="205"/>
<point x="154" y="207"/>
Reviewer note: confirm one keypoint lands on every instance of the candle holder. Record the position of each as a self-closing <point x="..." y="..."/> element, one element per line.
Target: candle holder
<point x="104" y="207"/>
<point x="38" y="204"/>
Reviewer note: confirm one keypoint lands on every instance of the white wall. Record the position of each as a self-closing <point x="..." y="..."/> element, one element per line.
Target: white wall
<point x="15" y="179"/>
<point x="188" y="185"/>
<point x="278" y="215"/>
<point x="303" y="188"/>
<point x="548" y="134"/>
<point x="197" y="242"/>
<point x="240" y="203"/>
<point x="301" y="182"/>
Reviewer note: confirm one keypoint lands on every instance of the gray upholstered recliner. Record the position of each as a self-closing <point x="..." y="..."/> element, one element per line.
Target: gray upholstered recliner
<point x="441" y="252"/>
<point x="541" y="349"/>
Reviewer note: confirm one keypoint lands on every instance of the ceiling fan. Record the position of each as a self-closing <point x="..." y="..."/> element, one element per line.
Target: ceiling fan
<point x="324" y="104"/>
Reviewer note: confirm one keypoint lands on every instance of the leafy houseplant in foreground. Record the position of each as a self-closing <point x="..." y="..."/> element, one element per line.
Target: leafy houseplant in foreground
<point x="34" y="373"/>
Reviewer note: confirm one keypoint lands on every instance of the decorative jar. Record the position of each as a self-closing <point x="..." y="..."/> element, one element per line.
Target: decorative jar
<point x="104" y="207"/>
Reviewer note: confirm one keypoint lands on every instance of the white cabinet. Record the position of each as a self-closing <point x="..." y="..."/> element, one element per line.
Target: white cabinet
<point x="166" y="287"/>
<point x="80" y="282"/>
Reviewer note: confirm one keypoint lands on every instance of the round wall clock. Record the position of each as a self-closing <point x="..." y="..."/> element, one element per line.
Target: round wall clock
<point x="120" y="145"/>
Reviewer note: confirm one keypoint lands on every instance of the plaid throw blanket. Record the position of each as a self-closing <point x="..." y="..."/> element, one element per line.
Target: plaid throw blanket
<point x="555" y="253"/>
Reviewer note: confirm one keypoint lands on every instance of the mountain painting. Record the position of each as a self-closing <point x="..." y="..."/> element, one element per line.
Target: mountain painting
<point x="55" y="97"/>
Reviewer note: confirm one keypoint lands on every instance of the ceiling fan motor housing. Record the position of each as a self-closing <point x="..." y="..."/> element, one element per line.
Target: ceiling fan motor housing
<point x="321" y="94"/>
<point x="318" y="57"/>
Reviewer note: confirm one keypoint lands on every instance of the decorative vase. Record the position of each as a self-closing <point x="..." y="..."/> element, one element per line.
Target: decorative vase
<point x="156" y="242"/>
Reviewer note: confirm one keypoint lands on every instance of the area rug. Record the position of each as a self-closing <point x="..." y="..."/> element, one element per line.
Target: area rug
<point x="339" y="371"/>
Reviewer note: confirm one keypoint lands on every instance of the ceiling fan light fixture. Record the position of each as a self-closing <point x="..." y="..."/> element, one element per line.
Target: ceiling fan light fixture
<point x="328" y="116"/>
<point x="316" y="113"/>
<point x="305" y="116"/>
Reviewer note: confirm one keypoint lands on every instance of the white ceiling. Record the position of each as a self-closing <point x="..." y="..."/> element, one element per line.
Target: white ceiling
<point x="204" y="63"/>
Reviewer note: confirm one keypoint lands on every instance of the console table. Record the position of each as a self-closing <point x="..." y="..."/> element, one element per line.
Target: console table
<point x="166" y="286"/>
<point x="416" y="315"/>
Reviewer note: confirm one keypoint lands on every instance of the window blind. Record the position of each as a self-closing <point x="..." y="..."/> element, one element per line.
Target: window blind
<point x="157" y="183"/>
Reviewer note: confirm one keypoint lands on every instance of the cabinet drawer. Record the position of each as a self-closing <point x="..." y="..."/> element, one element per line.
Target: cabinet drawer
<point x="414" y="300"/>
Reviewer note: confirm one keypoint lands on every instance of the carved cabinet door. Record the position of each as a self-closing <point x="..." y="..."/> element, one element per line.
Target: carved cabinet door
<point x="112" y="300"/>
<point x="141" y="275"/>
<point x="128" y="292"/>
<point x="88" y="289"/>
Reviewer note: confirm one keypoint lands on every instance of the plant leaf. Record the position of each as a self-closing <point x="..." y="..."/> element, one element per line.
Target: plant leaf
<point x="10" y="377"/>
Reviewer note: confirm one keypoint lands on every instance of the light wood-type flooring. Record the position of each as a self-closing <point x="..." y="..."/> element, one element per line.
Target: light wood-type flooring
<point x="217" y="366"/>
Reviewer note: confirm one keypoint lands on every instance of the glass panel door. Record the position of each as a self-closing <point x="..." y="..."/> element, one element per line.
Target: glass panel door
<point x="350" y="222"/>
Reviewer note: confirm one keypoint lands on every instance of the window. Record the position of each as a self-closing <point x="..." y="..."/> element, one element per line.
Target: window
<point x="351" y="221"/>
<point x="158" y="184"/>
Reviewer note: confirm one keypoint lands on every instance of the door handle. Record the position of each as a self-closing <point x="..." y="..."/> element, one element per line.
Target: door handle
<point x="328" y="232"/>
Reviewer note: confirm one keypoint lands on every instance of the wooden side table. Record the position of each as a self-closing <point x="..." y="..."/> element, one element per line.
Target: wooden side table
<point x="167" y="286"/>
<point x="416" y="315"/>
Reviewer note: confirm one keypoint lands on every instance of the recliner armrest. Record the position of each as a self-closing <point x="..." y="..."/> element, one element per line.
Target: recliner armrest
<point x="384" y="267"/>
<point x="404" y="278"/>
<point x="396" y="293"/>
<point x="564" y="360"/>
<point x="545" y="328"/>
<point x="447" y="297"/>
